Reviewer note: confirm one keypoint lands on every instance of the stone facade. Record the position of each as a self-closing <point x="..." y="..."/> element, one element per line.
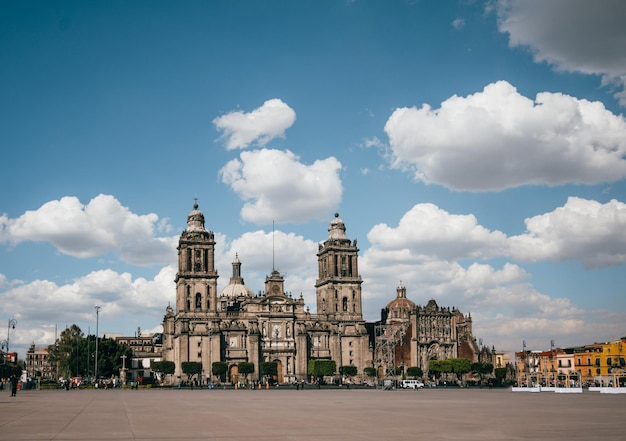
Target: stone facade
<point x="38" y="363"/>
<point x="419" y="334"/>
<point x="237" y="325"/>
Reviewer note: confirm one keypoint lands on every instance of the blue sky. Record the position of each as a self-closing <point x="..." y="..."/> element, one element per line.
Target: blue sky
<point x="474" y="149"/>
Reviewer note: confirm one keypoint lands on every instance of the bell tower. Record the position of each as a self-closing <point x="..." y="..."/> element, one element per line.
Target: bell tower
<point x="338" y="286"/>
<point x="196" y="279"/>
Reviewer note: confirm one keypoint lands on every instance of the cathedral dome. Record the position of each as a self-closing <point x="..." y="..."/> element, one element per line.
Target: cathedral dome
<point x="236" y="290"/>
<point x="236" y="287"/>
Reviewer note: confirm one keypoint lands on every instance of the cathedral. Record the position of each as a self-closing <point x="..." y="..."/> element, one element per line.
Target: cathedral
<point x="236" y="325"/>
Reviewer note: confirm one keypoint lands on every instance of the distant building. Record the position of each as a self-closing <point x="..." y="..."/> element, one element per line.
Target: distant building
<point x="146" y="350"/>
<point x="37" y="363"/>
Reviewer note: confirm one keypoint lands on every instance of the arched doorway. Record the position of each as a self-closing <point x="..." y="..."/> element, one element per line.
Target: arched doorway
<point x="234" y="374"/>
<point x="279" y="371"/>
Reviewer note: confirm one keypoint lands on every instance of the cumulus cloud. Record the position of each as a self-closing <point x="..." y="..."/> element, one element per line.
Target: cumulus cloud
<point x="426" y="230"/>
<point x="100" y="227"/>
<point x="278" y="187"/>
<point x="117" y="294"/>
<point x="582" y="230"/>
<point x="498" y="139"/>
<point x="260" y="126"/>
<point x="571" y="35"/>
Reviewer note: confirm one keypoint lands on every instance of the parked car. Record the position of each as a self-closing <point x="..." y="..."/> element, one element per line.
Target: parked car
<point x="411" y="384"/>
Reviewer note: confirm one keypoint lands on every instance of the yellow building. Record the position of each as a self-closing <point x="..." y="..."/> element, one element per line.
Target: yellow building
<point x="602" y="364"/>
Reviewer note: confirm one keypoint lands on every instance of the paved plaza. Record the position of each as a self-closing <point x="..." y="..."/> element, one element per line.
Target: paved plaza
<point x="311" y="414"/>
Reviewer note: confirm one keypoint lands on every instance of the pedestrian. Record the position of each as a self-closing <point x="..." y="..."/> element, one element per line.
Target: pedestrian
<point x="13" y="385"/>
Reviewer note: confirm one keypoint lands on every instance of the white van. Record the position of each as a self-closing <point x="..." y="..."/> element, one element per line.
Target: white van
<point x="412" y="384"/>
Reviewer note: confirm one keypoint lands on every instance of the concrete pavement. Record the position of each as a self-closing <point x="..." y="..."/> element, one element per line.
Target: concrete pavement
<point x="311" y="414"/>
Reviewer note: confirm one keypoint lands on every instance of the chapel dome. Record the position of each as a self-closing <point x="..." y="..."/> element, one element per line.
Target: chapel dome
<point x="400" y="307"/>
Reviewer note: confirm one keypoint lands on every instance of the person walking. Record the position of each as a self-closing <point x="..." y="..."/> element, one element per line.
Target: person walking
<point x="13" y="385"/>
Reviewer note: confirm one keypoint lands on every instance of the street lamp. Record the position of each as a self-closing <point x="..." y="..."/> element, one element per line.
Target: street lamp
<point x="95" y="370"/>
<point x="12" y="323"/>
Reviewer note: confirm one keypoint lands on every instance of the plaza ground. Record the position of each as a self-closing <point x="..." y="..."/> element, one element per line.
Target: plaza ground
<point x="310" y="414"/>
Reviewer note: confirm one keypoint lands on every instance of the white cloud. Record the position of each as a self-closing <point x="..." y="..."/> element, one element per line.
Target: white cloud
<point x="118" y="295"/>
<point x="426" y="230"/>
<point x="572" y="35"/>
<point x="583" y="230"/>
<point x="458" y="23"/>
<point x="259" y="126"/>
<point x="278" y="187"/>
<point x="100" y="227"/>
<point x="497" y="139"/>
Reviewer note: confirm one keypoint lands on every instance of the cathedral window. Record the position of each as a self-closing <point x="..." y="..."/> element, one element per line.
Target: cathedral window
<point x="198" y="300"/>
<point x="345" y="304"/>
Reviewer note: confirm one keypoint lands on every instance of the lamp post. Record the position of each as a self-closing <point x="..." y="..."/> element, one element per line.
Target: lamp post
<point x="12" y="323"/>
<point x="210" y="356"/>
<point x="95" y="370"/>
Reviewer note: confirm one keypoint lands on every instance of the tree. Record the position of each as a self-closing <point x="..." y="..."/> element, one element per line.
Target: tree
<point x="348" y="370"/>
<point x="500" y="374"/>
<point x="110" y="355"/>
<point x="245" y="368"/>
<point x="64" y="352"/>
<point x="414" y="371"/>
<point x="482" y="368"/>
<point x="322" y="368"/>
<point x="191" y="368"/>
<point x="460" y="367"/>
<point x="369" y="372"/>
<point x="163" y="367"/>
<point x="268" y="369"/>
<point x="74" y="355"/>
<point x="219" y="369"/>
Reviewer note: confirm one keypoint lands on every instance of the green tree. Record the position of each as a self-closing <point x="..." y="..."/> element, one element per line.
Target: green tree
<point x="245" y="368"/>
<point x="163" y="367"/>
<point x="482" y="369"/>
<point x="268" y="369"/>
<point x="460" y="367"/>
<point x="369" y="372"/>
<point x="348" y="370"/>
<point x="322" y="368"/>
<point x="415" y="372"/>
<point x="500" y="374"/>
<point x="191" y="368"/>
<point x="110" y="355"/>
<point x="74" y="354"/>
<point x="219" y="369"/>
<point x="64" y="353"/>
